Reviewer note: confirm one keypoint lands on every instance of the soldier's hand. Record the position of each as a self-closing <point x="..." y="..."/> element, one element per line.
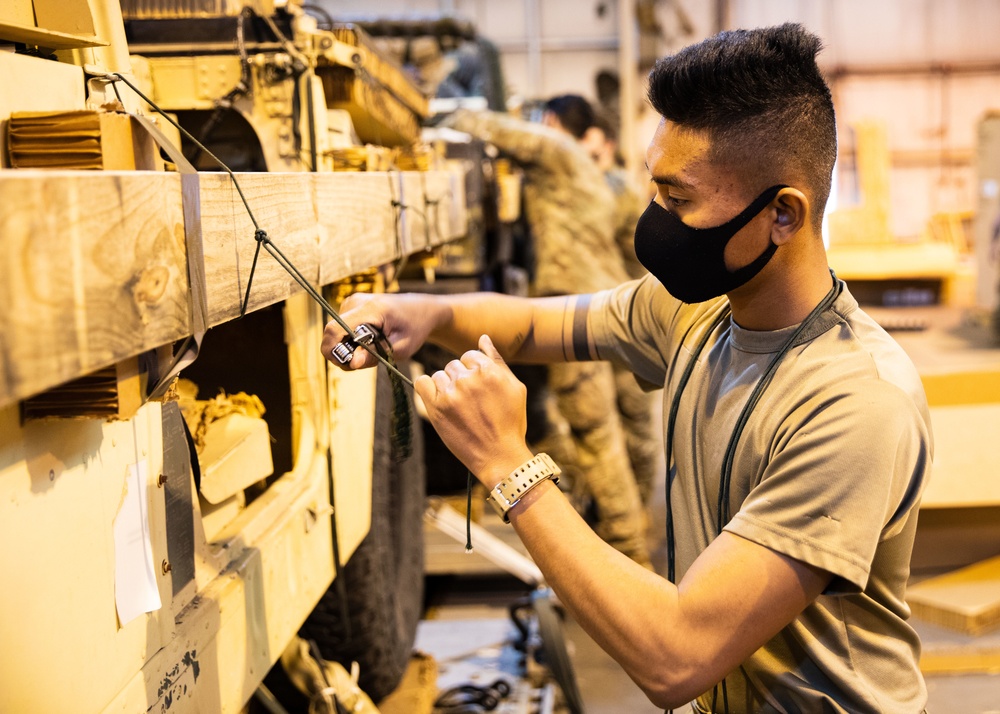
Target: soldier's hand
<point x="478" y="407"/>
<point x="405" y="320"/>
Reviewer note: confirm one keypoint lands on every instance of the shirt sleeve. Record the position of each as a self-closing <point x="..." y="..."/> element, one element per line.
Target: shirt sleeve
<point x="628" y="326"/>
<point x="844" y="472"/>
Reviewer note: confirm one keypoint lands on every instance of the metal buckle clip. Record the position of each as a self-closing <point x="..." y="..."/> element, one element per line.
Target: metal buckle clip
<point x="363" y="335"/>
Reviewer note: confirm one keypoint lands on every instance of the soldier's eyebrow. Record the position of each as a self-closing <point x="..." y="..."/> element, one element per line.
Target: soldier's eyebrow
<point x="672" y="180"/>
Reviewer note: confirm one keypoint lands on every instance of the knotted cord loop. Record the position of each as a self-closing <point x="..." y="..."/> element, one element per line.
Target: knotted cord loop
<point x="259" y="235"/>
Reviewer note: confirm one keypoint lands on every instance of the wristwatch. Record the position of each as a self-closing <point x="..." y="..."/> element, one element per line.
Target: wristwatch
<point x="525" y="477"/>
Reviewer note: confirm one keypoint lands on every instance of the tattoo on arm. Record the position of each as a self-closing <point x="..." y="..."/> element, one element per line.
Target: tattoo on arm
<point x="518" y="342"/>
<point x="581" y="340"/>
<point x="575" y="337"/>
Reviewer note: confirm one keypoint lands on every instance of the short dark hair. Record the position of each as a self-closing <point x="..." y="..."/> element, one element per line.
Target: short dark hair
<point x="763" y="102"/>
<point x="574" y="113"/>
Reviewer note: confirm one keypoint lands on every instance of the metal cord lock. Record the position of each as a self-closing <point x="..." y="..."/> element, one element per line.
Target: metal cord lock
<point x="363" y="335"/>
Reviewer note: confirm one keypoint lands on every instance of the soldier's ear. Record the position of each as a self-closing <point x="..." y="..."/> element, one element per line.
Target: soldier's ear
<point x="791" y="213"/>
<point x="593" y="142"/>
<point x="550" y="119"/>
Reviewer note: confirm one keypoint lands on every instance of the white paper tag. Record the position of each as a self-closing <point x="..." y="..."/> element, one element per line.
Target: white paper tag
<point x="135" y="578"/>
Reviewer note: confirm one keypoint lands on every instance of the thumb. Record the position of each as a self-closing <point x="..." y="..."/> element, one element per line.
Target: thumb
<point x="487" y="348"/>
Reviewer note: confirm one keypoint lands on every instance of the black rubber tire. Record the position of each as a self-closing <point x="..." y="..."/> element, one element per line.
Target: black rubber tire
<point x="385" y="576"/>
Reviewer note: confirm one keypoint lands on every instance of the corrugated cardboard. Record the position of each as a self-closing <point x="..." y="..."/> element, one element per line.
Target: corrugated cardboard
<point x="71" y="140"/>
<point x="115" y="392"/>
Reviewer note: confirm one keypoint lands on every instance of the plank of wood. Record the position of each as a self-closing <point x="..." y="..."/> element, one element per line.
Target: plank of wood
<point x="357" y="228"/>
<point x="94" y="266"/>
<point x="431" y="209"/>
<point x="965" y="461"/>
<point x="967" y="600"/>
<point x="283" y="206"/>
<point x="93" y="271"/>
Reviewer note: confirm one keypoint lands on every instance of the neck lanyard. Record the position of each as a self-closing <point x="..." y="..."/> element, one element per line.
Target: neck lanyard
<point x="722" y="511"/>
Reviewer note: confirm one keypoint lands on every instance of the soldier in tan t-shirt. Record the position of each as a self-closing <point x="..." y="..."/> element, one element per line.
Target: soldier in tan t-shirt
<point x="797" y="432"/>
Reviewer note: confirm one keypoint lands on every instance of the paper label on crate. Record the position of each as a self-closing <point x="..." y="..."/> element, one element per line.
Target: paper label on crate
<point x="136" y="591"/>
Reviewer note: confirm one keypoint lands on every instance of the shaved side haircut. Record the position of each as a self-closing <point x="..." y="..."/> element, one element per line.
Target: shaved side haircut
<point x="763" y="102"/>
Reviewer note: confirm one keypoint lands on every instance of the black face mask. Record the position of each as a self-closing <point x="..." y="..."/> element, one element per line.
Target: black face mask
<point x="690" y="262"/>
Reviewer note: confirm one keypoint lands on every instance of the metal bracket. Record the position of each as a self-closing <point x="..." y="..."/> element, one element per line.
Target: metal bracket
<point x="340" y="53"/>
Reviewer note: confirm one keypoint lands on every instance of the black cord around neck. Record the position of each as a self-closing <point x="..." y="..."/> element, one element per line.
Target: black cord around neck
<point x="762" y="384"/>
<point x="671" y="424"/>
<point x="722" y="511"/>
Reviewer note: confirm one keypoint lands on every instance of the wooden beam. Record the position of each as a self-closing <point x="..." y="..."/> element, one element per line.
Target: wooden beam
<point x="433" y="208"/>
<point x="92" y="271"/>
<point x="94" y="267"/>
<point x="357" y="228"/>
<point x="283" y="206"/>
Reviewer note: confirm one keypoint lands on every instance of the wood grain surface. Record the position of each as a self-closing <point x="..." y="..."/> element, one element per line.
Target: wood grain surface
<point x="94" y="265"/>
<point x="92" y="270"/>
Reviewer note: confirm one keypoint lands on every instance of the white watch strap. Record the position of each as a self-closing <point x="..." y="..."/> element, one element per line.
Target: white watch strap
<point x="525" y="477"/>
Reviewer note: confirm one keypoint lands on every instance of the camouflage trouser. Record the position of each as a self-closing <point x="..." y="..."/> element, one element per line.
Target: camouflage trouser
<point x="642" y="438"/>
<point x="590" y="446"/>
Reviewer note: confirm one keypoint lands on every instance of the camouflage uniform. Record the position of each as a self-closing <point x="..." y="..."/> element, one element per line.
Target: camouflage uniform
<point x="628" y="207"/>
<point x="571" y="211"/>
<point x="635" y="404"/>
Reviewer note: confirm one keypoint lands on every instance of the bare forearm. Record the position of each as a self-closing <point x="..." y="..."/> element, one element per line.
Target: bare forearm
<point x="629" y="611"/>
<point x="523" y="329"/>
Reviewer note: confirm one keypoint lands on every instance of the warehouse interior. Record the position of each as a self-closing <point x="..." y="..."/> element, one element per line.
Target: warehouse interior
<point x="207" y="506"/>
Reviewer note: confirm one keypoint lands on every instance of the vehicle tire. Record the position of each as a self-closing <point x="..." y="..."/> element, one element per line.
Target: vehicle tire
<point x="384" y="577"/>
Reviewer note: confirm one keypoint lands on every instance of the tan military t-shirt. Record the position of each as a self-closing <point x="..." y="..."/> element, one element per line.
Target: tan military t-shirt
<point x="828" y="471"/>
